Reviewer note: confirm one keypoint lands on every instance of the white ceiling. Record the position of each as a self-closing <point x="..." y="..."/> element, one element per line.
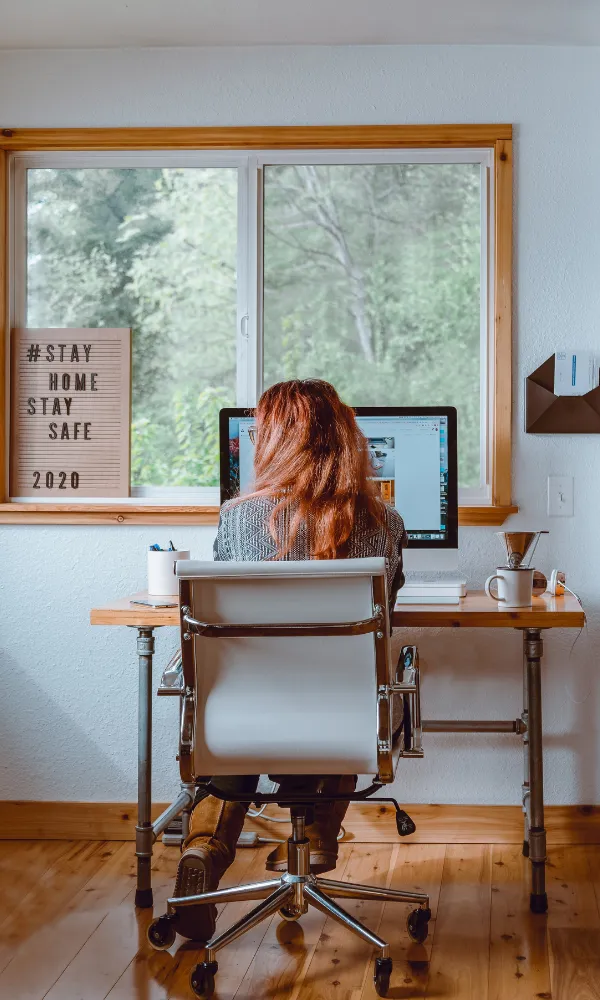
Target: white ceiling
<point x="116" y="23"/>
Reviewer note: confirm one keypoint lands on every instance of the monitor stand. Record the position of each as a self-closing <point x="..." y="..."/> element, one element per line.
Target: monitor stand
<point x="431" y="577"/>
<point x="430" y="561"/>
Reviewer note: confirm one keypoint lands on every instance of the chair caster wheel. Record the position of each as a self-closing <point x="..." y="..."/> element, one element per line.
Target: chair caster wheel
<point x="161" y="933"/>
<point x="404" y="824"/>
<point x="417" y="925"/>
<point x="383" y="971"/>
<point x="289" y="913"/>
<point x="202" y="979"/>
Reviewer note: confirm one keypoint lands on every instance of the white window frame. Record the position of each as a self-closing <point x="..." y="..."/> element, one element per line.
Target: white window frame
<point x="249" y="328"/>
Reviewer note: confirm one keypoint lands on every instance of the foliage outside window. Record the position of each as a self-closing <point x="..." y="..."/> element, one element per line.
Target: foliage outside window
<point x="372" y="281"/>
<point x="154" y="250"/>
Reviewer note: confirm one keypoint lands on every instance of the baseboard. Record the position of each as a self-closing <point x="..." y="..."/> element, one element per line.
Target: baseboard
<point x="366" y="822"/>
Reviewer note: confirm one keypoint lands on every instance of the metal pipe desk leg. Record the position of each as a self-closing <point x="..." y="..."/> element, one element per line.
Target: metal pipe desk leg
<point x="144" y="834"/>
<point x="525" y="786"/>
<point x="537" y="834"/>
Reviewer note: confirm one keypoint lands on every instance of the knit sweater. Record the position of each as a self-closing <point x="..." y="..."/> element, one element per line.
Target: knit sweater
<point x="244" y="536"/>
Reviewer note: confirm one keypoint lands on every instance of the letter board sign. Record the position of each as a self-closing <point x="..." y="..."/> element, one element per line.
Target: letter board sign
<point x="70" y="413"/>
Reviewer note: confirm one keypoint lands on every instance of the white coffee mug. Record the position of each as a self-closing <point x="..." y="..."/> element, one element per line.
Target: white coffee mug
<point x="515" y="587"/>
<point x="162" y="581"/>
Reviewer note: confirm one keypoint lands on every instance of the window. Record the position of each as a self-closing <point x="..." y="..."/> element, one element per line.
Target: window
<point x="373" y="281"/>
<point x="154" y="249"/>
<point x="375" y="268"/>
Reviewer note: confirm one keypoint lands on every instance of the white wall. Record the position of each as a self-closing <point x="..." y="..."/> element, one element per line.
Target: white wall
<point x="68" y="692"/>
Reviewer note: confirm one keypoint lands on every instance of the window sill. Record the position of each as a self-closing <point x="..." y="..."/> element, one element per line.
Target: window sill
<point x="105" y="513"/>
<point x="486" y="516"/>
<point x="119" y="513"/>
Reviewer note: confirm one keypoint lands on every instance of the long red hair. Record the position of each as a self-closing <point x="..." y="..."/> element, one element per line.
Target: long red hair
<point x="313" y="460"/>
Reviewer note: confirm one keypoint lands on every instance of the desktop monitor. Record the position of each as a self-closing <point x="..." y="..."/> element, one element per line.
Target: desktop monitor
<point x="413" y="458"/>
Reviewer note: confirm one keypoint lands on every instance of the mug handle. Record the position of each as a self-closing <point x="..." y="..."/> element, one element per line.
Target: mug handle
<point x="488" y="588"/>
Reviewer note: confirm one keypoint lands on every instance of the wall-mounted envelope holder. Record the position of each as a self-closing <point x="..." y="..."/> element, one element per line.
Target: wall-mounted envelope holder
<point x="546" y="413"/>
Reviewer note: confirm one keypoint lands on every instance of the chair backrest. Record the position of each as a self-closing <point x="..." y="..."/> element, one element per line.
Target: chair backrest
<point x="285" y="703"/>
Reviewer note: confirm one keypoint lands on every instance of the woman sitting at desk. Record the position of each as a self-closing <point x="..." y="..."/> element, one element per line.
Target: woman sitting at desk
<point x="313" y="499"/>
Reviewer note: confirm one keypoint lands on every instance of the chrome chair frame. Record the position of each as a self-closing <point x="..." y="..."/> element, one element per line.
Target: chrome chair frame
<point x="291" y="895"/>
<point x="297" y="888"/>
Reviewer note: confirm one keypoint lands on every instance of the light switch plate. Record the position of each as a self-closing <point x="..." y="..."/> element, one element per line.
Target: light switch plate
<point x="560" y="496"/>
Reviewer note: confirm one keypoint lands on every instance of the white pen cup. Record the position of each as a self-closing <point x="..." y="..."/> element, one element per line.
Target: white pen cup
<point x="515" y="587"/>
<point x="162" y="581"/>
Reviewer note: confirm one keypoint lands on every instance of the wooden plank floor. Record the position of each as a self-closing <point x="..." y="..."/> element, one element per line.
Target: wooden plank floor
<point x="69" y="930"/>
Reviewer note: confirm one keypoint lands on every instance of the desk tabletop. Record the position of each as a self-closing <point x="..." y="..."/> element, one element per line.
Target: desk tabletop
<point x="476" y="610"/>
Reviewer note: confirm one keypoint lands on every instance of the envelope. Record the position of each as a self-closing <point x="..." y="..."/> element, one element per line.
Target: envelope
<point x="546" y="413"/>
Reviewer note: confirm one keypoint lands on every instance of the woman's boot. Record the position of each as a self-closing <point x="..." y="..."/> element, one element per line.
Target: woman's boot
<point x="208" y="851"/>
<point x="323" y="831"/>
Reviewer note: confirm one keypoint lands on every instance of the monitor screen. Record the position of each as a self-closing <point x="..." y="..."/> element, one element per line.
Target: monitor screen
<point x="413" y="462"/>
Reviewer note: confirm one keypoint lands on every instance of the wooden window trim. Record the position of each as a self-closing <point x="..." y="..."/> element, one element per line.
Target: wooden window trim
<point x="115" y="513"/>
<point x="496" y="137"/>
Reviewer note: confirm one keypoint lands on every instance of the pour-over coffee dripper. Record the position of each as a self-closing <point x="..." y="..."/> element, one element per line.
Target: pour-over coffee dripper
<point x="520" y="546"/>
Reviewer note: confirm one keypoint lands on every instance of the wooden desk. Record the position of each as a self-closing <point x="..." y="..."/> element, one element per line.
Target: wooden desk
<point x="477" y="610"/>
<point x="474" y="611"/>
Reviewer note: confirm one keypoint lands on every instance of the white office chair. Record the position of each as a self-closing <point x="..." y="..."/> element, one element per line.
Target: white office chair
<point x="287" y="670"/>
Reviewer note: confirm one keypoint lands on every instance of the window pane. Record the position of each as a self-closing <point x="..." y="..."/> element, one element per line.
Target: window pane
<point x="154" y="250"/>
<point x="372" y="281"/>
